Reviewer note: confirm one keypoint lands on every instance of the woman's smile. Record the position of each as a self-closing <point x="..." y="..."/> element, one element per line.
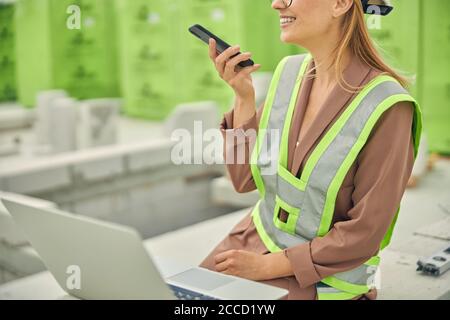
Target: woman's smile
<point x="286" y="21"/>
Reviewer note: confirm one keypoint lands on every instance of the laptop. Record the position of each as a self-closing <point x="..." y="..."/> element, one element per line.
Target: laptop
<point x="96" y="260"/>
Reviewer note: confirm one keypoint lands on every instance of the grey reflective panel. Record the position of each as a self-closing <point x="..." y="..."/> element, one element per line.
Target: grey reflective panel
<point x="327" y="290"/>
<point x="266" y="159"/>
<point x="270" y="184"/>
<point x="282" y="239"/>
<point x="330" y="162"/>
<point x="289" y="193"/>
<point x="268" y="156"/>
<point x="361" y="275"/>
<point x="309" y="221"/>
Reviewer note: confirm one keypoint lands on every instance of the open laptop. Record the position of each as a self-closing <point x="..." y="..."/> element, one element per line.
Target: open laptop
<point x="97" y="260"/>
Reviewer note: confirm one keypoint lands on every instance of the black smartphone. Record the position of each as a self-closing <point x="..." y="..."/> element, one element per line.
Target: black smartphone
<point x="204" y="35"/>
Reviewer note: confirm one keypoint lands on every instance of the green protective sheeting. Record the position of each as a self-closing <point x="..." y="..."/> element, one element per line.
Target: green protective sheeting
<point x="51" y="55"/>
<point x="415" y="39"/>
<point x="436" y="73"/>
<point x="8" y="88"/>
<point x="147" y="32"/>
<point x="155" y="78"/>
<point x="396" y="37"/>
<point x="200" y="79"/>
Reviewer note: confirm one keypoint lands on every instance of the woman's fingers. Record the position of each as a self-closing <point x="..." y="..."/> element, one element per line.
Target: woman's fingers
<point x="249" y="70"/>
<point x="252" y="69"/>
<point x="221" y="267"/>
<point x="222" y="256"/>
<point x="230" y="66"/>
<point x="226" y="65"/>
<point x="224" y="57"/>
<point x="212" y="49"/>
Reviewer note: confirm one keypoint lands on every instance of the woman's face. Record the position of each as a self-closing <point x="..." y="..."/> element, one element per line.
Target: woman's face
<point x="304" y="20"/>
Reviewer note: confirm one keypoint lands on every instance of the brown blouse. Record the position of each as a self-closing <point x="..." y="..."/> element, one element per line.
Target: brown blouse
<point x="367" y="201"/>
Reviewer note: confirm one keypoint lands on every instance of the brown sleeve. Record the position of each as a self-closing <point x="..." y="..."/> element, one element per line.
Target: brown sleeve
<point x="240" y="141"/>
<point x="383" y="169"/>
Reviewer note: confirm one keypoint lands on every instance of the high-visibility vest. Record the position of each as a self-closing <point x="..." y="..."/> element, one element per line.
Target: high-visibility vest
<point x="310" y="200"/>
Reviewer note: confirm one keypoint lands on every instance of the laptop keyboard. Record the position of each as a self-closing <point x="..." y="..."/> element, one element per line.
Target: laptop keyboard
<point x="184" y="294"/>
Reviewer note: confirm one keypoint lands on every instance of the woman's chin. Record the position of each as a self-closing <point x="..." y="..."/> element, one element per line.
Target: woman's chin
<point x="286" y="38"/>
<point x="289" y="37"/>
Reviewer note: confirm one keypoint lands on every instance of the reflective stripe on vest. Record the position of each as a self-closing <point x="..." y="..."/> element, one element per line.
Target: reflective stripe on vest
<point x="310" y="199"/>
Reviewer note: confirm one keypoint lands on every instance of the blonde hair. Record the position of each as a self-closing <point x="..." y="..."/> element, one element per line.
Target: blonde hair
<point x="356" y="38"/>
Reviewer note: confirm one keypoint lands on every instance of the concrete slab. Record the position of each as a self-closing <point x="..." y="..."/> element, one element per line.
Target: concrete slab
<point x="400" y="281"/>
<point x="438" y="230"/>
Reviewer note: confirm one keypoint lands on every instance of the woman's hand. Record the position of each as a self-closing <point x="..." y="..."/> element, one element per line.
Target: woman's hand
<point x="253" y="266"/>
<point x="238" y="78"/>
<point x="243" y="264"/>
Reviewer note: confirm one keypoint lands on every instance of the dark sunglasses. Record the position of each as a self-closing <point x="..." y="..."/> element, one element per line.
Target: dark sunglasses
<point x="378" y="9"/>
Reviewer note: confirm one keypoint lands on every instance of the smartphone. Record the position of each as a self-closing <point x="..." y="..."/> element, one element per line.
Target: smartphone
<point x="204" y="35"/>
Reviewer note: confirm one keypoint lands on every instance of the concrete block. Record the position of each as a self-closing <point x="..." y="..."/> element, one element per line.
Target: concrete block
<point x="63" y="125"/>
<point x="101" y="167"/>
<point x="223" y="193"/>
<point x="98" y="123"/>
<point x="14" y="116"/>
<point x="35" y="179"/>
<point x="160" y="191"/>
<point x="103" y="207"/>
<point x="150" y="155"/>
<point x="42" y="126"/>
<point x="185" y="115"/>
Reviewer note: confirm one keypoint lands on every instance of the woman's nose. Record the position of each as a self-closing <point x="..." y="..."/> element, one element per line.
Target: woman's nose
<point x="278" y="4"/>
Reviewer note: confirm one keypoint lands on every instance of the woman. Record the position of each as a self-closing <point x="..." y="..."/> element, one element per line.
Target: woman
<point x="349" y="134"/>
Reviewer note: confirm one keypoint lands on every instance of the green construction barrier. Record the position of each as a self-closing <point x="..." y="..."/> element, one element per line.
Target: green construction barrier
<point x="200" y="80"/>
<point x="86" y="59"/>
<point x="436" y="79"/>
<point x="397" y="38"/>
<point x="147" y="32"/>
<point x="415" y="38"/>
<point x="8" y="90"/>
<point x="163" y="65"/>
<point x="52" y="56"/>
